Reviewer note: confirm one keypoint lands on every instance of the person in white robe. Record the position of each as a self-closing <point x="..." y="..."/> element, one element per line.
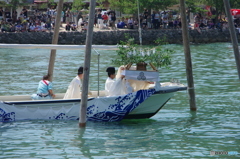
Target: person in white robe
<point x="110" y="81"/>
<point x="74" y="88"/>
<point x="116" y="87"/>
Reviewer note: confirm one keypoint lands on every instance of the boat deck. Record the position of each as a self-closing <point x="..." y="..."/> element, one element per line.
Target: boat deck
<point x="167" y="87"/>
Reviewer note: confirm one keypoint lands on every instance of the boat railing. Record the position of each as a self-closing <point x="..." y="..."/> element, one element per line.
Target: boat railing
<point x="98" y="69"/>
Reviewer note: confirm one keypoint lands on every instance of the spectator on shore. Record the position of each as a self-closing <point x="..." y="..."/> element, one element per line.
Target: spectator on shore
<point x="238" y="28"/>
<point x="73" y="27"/>
<point x="5" y="27"/>
<point x="85" y="27"/>
<point x="99" y="20"/>
<point x="112" y="20"/>
<point x="149" y="22"/>
<point x="7" y="15"/>
<point x="225" y="26"/>
<point x="170" y="24"/>
<point x="24" y="12"/>
<point x="18" y="27"/>
<point x="32" y="28"/>
<point x="105" y="19"/>
<point x="196" y="26"/>
<point x="130" y="23"/>
<point x="68" y="27"/>
<point x="121" y="24"/>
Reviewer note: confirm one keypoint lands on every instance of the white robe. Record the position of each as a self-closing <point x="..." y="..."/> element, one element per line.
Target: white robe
<point x="116" y="88"/>
<point x="109" y="86"/>
<point x="74" y="89"/>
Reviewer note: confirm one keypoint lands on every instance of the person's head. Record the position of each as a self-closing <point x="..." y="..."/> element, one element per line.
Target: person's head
<point x="111" y="72"/>
<point x="46" y="77"/>
<point x="80" y="72"/>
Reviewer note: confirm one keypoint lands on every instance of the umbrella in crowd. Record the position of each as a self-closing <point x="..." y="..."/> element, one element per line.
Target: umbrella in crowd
<point x="235" y="11"/>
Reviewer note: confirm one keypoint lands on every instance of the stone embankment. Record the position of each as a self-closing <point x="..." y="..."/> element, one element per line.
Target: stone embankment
<point x="113" y="37"/>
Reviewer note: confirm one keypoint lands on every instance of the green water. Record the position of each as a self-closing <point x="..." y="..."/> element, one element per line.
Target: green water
<point x="175" y="132"/>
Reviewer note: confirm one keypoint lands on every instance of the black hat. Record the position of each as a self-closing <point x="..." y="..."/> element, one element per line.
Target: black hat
<point x="80" y="70"/>
<point x="111" y="70"/>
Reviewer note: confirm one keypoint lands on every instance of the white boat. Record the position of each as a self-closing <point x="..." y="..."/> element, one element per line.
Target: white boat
<point x="136" y="105"/>
<point x="143" y="103"/>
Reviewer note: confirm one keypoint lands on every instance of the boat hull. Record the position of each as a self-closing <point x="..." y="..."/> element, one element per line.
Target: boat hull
<point x="136" y="105"/>
<point x="150" y="107"/>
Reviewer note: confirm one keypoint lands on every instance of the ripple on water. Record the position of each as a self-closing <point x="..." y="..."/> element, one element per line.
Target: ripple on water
<point x="174" y="132"/>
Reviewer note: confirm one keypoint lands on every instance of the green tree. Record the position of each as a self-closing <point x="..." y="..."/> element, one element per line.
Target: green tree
<point x="77" y="5"/>
<point x="130" y="6"/>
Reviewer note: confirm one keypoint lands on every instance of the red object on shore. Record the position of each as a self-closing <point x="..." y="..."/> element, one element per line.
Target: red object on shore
<point x="235" y="11"/>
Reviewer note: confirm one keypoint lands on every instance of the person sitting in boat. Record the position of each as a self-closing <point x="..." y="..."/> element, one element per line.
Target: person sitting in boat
<point x="44" y="89"/>
<point x="116" y="87"/>
<point x="74" y="88"/>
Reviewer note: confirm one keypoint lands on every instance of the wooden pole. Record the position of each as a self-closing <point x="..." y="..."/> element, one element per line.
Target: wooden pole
<point x="139" y="26"/>
<point x="233" y="35"/>
<point x="86" y="67"/>
<point x="55" y="39"/>
<point x="188" y="60"/>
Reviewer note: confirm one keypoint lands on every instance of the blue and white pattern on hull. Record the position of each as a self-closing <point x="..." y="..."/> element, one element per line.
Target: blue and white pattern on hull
<point x="99" y="109"/>
<point x="114" y="109"/>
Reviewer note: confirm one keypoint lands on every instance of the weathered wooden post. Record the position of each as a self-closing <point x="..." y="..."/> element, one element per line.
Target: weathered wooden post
<point x="86" y="67"/>
<point x="188" y="60"/>
<point x="139" y="25"/>
<point x="233" y="35"/>
<point x="55" y="39"/>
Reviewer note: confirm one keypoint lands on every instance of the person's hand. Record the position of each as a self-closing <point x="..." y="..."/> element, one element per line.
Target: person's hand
<point x="53" y="95"/>
<point x="151" y="82"/>
<point x="122" y="76"/>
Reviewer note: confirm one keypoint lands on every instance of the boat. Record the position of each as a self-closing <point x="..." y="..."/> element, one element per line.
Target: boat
<point x="140" y="104"/>
<point x="136" y="105"/>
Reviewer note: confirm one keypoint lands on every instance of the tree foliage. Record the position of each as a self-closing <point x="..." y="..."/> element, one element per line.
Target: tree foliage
<point x="77" y="5"/>
<point x="130" y="6"/>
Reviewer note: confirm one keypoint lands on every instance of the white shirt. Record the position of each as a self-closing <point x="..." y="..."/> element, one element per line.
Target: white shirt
<point x="130" y="21"/>
<point x="109" y="86"/>
<point x="74" y="89"/>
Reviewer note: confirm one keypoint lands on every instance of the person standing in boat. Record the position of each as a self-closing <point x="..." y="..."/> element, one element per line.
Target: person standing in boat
<point x="116" y="87"/>
<point x="110" y="81"/>
<point x="74" y="88"/>
<point x="44" y="89"/>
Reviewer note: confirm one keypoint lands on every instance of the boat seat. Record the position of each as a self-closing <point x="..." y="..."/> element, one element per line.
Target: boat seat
<point x="15" y="98"/>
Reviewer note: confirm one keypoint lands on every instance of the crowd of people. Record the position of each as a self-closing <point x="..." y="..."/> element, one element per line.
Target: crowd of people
<point x="42" y="21"/>
<point x="205" y="23"/>
<point x="37" y="21"/>
<point x="171" y="20"/>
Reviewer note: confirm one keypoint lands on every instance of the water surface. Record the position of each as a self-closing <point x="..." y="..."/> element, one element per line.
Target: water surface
<point x="175" y="132"/>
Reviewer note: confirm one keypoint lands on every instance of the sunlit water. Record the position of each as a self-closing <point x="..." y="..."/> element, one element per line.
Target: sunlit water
<point x="175" y="132"/>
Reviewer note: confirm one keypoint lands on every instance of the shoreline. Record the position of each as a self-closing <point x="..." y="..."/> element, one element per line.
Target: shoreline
<point x="113" y="37"/>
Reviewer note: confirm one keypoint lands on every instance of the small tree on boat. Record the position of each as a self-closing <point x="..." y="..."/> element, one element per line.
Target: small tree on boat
<point x="129" y="53"/>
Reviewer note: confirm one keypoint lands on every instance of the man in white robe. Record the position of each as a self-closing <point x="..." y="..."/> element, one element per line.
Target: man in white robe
<point x="110" y="81"/>
<point x="115" y="87"/>
<point x="74" y="88"/>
